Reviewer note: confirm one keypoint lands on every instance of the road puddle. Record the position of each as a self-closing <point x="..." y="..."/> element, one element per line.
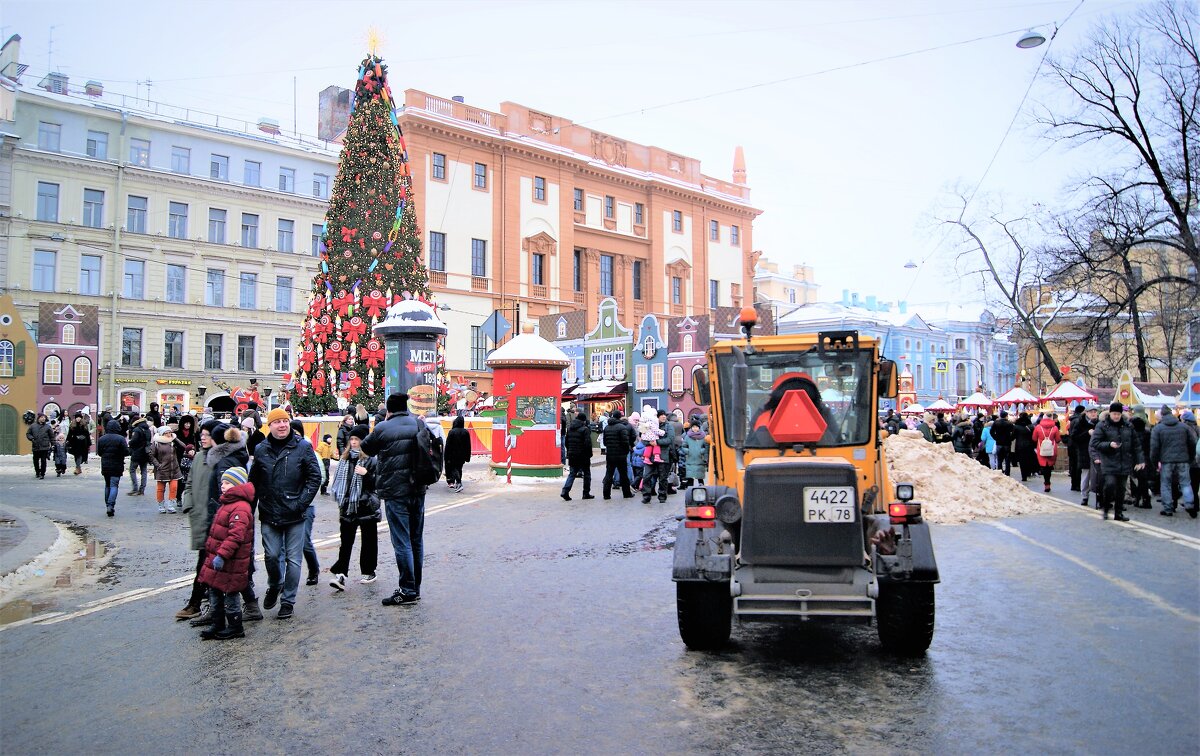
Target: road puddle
<point x="88" y="563"/>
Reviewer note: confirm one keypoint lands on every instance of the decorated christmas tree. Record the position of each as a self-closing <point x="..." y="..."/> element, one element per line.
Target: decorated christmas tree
<point x="370" y="255"/>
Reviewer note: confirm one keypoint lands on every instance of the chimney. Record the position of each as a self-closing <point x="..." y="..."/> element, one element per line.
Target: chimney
<point x="845" y="297"/>
<point x="55" y="83"/>
<point x="739" y="165"/>
<point x="871" y="304"/>
<point x="93" y="88"/>
<point x="902" y="307"/>
<point x="854" y="299"/>
<point x="333" y="112"/>
<point x="457" y="98"/>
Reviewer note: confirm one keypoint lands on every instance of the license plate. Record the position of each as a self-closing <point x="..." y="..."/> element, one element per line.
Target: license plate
<point x="828" y="504"/>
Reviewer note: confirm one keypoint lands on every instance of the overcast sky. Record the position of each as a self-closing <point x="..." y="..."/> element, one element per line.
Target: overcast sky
<point x="857" y="116"/>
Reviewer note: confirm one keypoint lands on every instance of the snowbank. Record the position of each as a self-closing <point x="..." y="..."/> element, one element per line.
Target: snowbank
<point x="955" y="488"/>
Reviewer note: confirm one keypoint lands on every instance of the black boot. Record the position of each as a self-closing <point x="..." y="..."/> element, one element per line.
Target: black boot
<point x="233" y="627"/>
<point x="218" y="626"/>
<point x="205" y="618"/>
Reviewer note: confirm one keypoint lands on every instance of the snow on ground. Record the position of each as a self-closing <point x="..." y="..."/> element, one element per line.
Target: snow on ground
<point x="954" y="488"/>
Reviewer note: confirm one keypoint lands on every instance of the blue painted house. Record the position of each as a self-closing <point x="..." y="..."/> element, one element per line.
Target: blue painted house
<point x="649" y="366"/>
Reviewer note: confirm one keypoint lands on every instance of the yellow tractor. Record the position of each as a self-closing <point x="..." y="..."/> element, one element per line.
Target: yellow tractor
<point x="798" y="520"/>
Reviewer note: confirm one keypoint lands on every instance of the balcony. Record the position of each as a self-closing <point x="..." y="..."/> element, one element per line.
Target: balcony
<point x="437" y="277"/>
<point x="538" y="291"/>
<point x="480" y="284"/>
<point x="580" y="298"/>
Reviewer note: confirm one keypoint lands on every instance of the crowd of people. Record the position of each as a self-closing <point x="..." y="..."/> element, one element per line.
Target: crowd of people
<point x="1119" y="458"/>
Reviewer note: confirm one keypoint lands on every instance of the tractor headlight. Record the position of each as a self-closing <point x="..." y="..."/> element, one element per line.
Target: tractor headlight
<point x="699" y="495"/>
<point x="729" y="510"/>
<point x="904" y="491"/>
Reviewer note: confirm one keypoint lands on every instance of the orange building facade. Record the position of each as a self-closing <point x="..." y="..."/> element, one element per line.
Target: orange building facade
<point x="523" y="208"/>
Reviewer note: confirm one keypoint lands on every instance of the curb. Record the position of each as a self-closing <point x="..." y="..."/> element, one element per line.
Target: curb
<point x="42" y="538"/>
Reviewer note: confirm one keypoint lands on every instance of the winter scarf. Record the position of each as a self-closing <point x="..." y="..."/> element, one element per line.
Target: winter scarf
<point x="345" y="470"/>
<point x="695" y="433"/>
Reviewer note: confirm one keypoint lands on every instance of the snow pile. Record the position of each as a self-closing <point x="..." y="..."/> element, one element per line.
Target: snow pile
<point x="955" y="488"/>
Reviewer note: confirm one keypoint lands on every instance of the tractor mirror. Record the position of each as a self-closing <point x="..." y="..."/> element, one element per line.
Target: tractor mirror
<point x="701" y="393"/>
<point x="889" y="382"/>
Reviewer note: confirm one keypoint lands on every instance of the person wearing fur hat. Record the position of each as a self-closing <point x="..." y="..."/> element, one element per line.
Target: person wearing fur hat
<point x="167" y="473"/>
<point x="230" y="552"/>
<point x="358" y="510"/>
<point x="1119" y="454"/>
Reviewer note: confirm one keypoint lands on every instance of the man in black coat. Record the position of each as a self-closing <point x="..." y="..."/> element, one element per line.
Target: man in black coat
<point x="1072" y="453"/>
<point x="578" y="443"/>
<point x="1119" y="453"/>
<point x="1173" y="445"/>
<point x="286" y="476"/>
<point x="1003" y="434"/>
<point x="140" y="436"/>
<point x="1081" y="437"/>
<point x="395" y="442"/>
<point x="618" y="442"/>
<point x="113" y="449"/>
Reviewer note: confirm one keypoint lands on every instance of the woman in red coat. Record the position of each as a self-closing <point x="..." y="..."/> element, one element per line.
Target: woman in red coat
<point x="226" y="569"/>
<point x="1046" y="437"/>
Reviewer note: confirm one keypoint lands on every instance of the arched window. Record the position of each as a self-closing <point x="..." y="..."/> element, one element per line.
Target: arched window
<point x="83" y="371"/>
<point x="960" y="379"/>
<point x="7" y="359"/>
<point x="68" y="336"/>
<point x="677" y="379"/>
<point x="52" y="371"/>
<point x="561" y="330"/>
<point x="687" y="345"/>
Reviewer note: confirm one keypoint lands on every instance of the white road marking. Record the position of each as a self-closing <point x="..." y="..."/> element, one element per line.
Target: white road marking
<point x="182" y="581"/>
<point x="1180" y="538"/>
<point x="1125" y="585"/>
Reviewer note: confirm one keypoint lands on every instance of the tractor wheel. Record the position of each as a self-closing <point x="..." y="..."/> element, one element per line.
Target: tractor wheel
<point x="705" y="613"/>
<point x="904" y="617"/>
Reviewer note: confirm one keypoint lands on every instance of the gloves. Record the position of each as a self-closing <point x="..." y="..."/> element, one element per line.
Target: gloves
<point x="218" y="563"/>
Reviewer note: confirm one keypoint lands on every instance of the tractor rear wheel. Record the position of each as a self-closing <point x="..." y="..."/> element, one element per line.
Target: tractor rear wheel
<point x="904" y="615"/>
<point x="705" y="612"/>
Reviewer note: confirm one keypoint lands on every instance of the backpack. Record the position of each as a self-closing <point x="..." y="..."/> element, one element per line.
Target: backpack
<point x="1046" y="447"/>
<point x="427" y="462"/>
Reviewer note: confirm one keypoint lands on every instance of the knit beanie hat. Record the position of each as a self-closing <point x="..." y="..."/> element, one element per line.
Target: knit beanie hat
<point x="1116" y="407"/>
<point x="235" y="475"/>
<point x="279" y="413"/>
<point x="360" y="432"/>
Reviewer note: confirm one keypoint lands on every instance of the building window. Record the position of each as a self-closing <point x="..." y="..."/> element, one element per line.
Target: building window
<point x="478" y="258"/>
<point x="735" y="235"/>
<point x="606" y="365"/>
<point x="181" y="160"/>
<point x="212" y="350"/>
<point x="714" y="293"/>
<point x="52" y="370"/>
<point x="578" y="200"/>
<point x="677" y="379"/>
<point x="7" y="361"/>
<point x="657" y="377"/>
<point x="577" y="271"/>
<point x="676" y="220"/>
<point x="82" y="367"/>
<point x="216" y="225"/>
<point x="960" y="379"/>
<point x="218" y="167"/>
<point x="714" y="230"/>
<point x="89" y="275"/>
<point x="252" y="173"/>
<point x="44" y="264"/>
<point x="610" y="207"/>
<point x="639" y="213"/>
<point x="287" y="179"/>
<point x="539" y="189"/>
<point x="93" y="208"/>
<point x="287" y="235"/>
<point x="791" y="295"/>
<point x="539" y="269"/>
<point x="214" y="288"/>
<point x="134" y="280"/>
<point x="637" y="279"/>
<point x="478" y="348"/>
<point x="594" y="367"/>
<point x="176" y="284"/>
<point x="606" y="275"/>
<point x="47" y="202"/>
<point x="560" y="329"/>
<point x="687" y="342"/>
<point x="283" y="293"/>
<point x="960" y="343"/>
<point x="248" y="291"/>
<point x="177" y="220"/>
<point x="246" y="354"/>
<point x="135" y="217"/>
<point x="640" y="382"/>
<point x="919" y="376"/>
<point x="97" y="145"/>
<point x="173" y="349"/>
<point x="676" y="290"/>
<point x="49" y="136"/>
<point x="317" y="246"/>
<point x="250" y="230"/>
<point x="321" y="186"/>
<point x="480" y="176"/>
<point x="282" y="361"/>
<point x="437" y="251"/>
<point x="439" y="166"/>
<point x="1104" y="339"/>
<point x="139" y="152"/>
<point x="131" y="347"/>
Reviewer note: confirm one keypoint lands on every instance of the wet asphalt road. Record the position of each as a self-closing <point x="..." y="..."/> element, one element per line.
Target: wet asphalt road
<point x="549" y="626"/>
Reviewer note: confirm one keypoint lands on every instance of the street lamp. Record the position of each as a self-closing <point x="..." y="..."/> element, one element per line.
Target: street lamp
<point x="1030" y="40"/>
<point x="267" y="396"/>
<point x="200" y="391"/>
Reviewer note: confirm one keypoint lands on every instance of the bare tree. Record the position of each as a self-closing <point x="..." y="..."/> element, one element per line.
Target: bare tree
<point x="996" y="248"/>
<point x="1134" y="88"/>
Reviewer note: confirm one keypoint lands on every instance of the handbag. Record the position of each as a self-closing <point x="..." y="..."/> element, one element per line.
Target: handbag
<point x="673" y="479"/>
<point x="1046" y="448"/>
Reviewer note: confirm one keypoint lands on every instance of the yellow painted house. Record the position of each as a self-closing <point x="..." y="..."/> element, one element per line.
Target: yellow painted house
<point x="18" y="383"/>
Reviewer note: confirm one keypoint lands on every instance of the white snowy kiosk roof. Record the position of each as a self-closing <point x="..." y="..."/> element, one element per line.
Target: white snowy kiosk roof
<point x="528" y="350"/>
